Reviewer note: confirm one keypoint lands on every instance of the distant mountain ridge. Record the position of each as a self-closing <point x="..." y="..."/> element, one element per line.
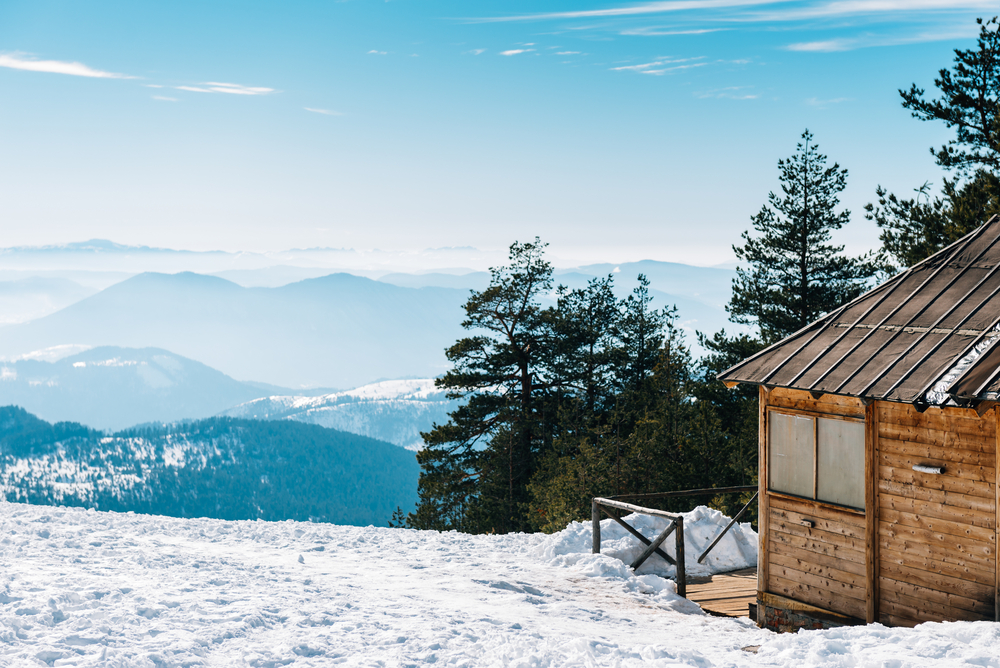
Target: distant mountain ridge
<point x="220" y="467"/>
<point x="113" y="388"/>
<point x="395" y="411"/>
<point x="336" y="331"/>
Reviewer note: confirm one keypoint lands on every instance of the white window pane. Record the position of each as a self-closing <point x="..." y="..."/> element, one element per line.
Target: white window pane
<point x="790" y="448"/>
<point x="841" y="467"/>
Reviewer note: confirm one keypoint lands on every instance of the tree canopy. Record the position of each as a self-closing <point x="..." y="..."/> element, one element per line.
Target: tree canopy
<point x="790" y="273"/>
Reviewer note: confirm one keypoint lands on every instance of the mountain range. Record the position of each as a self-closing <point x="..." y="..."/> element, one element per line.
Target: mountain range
<point x="112" y="388"/>
<point x="395" y="411"/>
<point x="336" y="331"/>
<point x="220" y="467"/>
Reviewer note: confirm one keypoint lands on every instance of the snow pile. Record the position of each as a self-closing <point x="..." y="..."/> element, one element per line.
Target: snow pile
<point x="736" y="550"/>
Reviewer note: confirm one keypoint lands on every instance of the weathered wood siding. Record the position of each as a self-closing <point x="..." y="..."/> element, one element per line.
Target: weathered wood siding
<point x="823" y="565"/>
<point x="936" y="533"/>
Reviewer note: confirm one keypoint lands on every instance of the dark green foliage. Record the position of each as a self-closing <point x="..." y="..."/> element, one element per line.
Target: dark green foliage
<point x="230" y="469"/>
<point x="970" y="103"/>
<point x="477" y="466"/>
<point x="791" y="274"/>
<point x="916" y="228"/>
<point x="593" y="396"/>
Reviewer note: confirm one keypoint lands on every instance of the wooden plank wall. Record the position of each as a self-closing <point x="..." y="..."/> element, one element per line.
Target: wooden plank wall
<point x="937" y="533"/>
<point x="823" y="565"/>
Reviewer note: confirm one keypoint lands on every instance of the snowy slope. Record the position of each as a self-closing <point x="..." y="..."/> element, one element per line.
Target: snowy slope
<point x="86" y="588"/>
<point x="395" y="411"/>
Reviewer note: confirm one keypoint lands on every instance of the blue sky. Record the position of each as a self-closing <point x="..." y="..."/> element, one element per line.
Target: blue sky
<point x="615" y="131"/>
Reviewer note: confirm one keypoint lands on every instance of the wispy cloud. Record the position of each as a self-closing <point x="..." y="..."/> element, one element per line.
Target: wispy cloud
<point x="654" y="31"/>
<point x="22" y="62"/>
<point x="378" y="53"/>
<point x="728" y="93"/>
<point x="514" y="52"/>
<point x="643" y="8"/>
<point x="325" y="112"/>
<point x="229" y="88"/>
<point x="567" y="53"/>
<point x="822" y="104"/>
<point x="476" y="52"/>
<point x="845" y="8"/>
<point x="662" y="66"/>
<point x="869" y="40"/>
<point x="164" y="98"/>
<point x="826" y="9"/>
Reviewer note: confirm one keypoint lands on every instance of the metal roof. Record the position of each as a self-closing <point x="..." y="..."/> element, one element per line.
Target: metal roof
<point x="931" y="327"/>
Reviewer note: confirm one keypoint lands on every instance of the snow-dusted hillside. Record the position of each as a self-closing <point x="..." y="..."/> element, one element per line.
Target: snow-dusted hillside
<point x="87" y="588"/>
<point x="394" y="410"/>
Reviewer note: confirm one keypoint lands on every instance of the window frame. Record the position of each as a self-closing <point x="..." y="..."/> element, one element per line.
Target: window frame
<point x="815" y="415"/>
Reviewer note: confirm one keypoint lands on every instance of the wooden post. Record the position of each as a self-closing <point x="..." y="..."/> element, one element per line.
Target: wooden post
<point x="871" y="514"/>
<point x="679" y="553"/>
<point x="595" y="521"/>
<point x="642" y="539"/>
<point x="763" y="505"/>
<point x="648" y="552"/>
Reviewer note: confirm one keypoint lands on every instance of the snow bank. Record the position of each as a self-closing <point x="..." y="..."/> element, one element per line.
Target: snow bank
<point x="84" y="588"/>
<point x="736" y="550"/>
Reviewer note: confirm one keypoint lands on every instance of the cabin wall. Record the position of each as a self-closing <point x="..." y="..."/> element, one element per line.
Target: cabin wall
<point x="936" y="533"/>
<point x="924" y="548"/>
<point x="822" y="565"/>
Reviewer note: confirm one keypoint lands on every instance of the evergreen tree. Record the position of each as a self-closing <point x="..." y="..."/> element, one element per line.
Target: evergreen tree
<point x="476" y="467"/>
<point x="793" y="274"/>
<point x="916" y="228"/>
<point x="970" y="103"/>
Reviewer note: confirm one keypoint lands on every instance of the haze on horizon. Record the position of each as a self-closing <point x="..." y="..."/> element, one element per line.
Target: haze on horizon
<point x="617" y="131"/>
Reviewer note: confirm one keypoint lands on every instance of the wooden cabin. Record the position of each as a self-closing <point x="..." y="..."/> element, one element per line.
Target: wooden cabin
<point x="878" y="450"/>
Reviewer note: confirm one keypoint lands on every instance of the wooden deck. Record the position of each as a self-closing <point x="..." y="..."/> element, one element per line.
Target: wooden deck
<point x="725" y="594"/>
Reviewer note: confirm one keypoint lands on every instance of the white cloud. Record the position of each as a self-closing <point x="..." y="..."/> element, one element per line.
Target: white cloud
<point x="567" y="53"/>
<point x="676" y="62"/>
<point x="822" y="104"/>
<point x="514" y="52"/>
<point x="477" y="52"/>
<point x="325" y="112"/>
<point x="860" y="7"/>
<point x="230" y="88"/>
<point x="19" y="62"/>
<point x="644" y="8"/>
<point x="867" y="41"/>
<point x="164" y="98"/>
<point x="728" y="93"/>
<point x="654" y="31"/>
<point x="667" y="70"/>
<point x="378" y="53"/>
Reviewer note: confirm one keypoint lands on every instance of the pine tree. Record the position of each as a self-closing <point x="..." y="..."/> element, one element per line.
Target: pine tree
<point x="916" y="228"/>
<point x="791" y="274"/>
<point x="476" y="467"/>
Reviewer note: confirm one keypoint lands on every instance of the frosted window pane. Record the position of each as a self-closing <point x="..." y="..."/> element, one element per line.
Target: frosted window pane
<point x="791" y="452"/>
<point x="841" y="467"/>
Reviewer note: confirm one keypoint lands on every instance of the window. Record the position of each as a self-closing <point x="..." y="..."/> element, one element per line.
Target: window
<point x="817" y="458"/>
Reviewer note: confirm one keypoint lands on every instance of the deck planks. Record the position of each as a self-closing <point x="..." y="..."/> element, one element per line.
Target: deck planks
<point x="725" y="594"/>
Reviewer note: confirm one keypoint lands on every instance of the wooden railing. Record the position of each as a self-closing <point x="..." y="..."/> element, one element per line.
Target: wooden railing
<point x="607" y="505"/>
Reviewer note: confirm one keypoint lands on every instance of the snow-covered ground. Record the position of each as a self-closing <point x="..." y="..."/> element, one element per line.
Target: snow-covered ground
<point x="90" y="588"/>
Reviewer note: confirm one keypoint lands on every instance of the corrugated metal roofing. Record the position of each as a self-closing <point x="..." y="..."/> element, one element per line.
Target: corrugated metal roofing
<point x="900" y="340"/>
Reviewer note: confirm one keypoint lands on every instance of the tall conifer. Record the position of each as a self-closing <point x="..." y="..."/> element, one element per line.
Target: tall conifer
<point x="791" y="273"/>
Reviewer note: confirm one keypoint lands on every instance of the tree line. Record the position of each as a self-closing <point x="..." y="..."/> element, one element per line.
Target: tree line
<point x="571" y="394"/>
